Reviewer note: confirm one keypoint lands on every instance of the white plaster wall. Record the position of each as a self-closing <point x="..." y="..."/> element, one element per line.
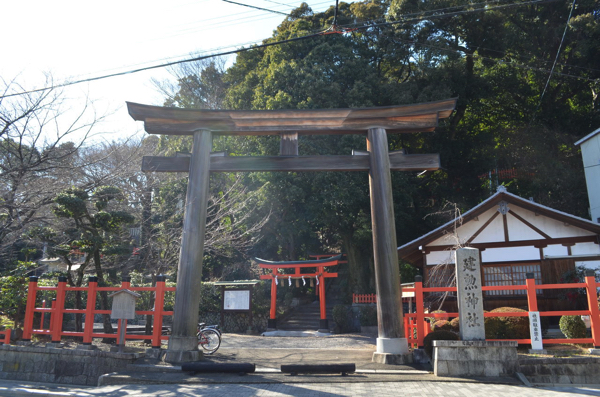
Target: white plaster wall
<point x="450" y="239"/>
<point x="518" y="230"/>
<point x="494" y="231"/>
<point x="556" y="250"/>
<point x="585" y="249"/>
<point x="516" y="254"/>
<point x="510" y="254"/>
<point x="551" y="227"/>
<point x="590" y="151"/>
<point x="589" y="264"/>
<point x="437" y="257"/>
<point x="465" y="231"/>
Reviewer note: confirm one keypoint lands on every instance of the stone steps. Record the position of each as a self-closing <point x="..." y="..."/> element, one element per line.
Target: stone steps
<point x="304" y="318"/>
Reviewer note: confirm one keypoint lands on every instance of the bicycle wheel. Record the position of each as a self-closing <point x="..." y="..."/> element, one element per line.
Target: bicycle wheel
<point x="209" y="340"/>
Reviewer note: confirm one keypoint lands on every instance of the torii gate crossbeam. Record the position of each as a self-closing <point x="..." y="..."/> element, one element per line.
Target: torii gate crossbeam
<point x="376" y="122"/>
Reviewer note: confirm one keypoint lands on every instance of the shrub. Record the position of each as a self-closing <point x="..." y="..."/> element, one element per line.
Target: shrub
<point x="343" y="319"/>
<point x="455" y="325"/>
<point x="577" y="296"/>
<point x="573" y="327"/>
<point x="433" y="320"/>
<point x="507" y="327"/>
<point x="368" y="316"/>
<point x="442" y="325"/>
<point x="436" y="335"/>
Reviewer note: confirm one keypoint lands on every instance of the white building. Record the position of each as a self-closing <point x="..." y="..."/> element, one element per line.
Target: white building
<point x="590" y="151"/>
<point x="515" y="236"/>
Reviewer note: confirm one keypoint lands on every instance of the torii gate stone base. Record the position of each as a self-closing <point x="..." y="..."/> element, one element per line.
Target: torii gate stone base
<point x="375" y="123"/>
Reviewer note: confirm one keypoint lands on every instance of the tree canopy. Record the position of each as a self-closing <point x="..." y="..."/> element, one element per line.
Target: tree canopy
<point x="526" y="77"/>
<point x="513" y="113"/>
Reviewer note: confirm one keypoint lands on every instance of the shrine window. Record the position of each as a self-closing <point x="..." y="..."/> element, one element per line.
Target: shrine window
<point x="510" y="274"/>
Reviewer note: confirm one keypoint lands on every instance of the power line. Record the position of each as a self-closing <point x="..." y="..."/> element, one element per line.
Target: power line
<point x="416" y="18"/>
<point x="255" y="7"/>
<point x="556" y="59"/>
<point x="282" y="4"/>
<point x="200" y="58"/>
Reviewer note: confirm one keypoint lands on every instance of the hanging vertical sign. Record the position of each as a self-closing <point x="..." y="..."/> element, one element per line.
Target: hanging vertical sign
<point x="535" y="331"/>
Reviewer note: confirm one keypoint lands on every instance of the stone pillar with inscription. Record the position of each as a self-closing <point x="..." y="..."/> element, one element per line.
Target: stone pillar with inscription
<point x="470" y="299"/>
<point x="472" y="355"/>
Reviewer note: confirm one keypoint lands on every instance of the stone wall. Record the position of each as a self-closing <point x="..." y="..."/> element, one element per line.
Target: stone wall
<point x="236" y="322"/>
<point x="474" y="358"/>
<point x="53" y="365"/>
<point x="563" y="370"/>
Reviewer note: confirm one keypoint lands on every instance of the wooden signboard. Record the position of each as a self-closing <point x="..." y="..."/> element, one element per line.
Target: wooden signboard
<point x="236" y="299"/>
<point x="123" y="305"/>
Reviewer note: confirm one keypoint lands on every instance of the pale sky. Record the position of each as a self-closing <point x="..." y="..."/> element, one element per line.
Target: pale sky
<point x="78" y="39"/>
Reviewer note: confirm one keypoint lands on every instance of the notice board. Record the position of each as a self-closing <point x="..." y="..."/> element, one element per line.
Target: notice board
<point x="236" y="299"/>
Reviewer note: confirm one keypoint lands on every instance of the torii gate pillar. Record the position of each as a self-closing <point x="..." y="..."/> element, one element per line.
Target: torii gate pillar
<point x="392" y="346"/>
<point x="183" y="343"/>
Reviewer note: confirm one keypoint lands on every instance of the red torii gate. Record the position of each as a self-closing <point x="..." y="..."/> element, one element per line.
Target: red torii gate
<point x="320" y="275"/>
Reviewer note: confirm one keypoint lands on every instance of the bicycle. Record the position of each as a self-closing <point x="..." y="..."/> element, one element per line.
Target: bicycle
<point x="209" y="337"/>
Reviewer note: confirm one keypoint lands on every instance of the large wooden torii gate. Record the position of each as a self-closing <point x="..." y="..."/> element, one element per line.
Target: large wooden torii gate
<point x="375" y="122"/>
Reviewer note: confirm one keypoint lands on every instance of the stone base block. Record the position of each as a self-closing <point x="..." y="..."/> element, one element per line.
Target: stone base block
<point x="392" y="345"/>
<point x="178" y="356"/>
<point x="538" y="351"/>
<point x="324" y="325"/>
<point x="595" y="352"/>
<point x="53" y="345"/>
<point x="420" y="357"/>
<point x="87" y="347"/>
<point x="154" y="352"/>
<point x="392" y="359"/>
<point x="117" y="349"/>
<point x="475" y="358"/>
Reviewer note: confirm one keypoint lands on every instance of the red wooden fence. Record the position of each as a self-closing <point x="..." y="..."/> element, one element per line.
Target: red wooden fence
<point x="57" y="311"/>
<point x="414" y="323"/>
<point x="6" y="339"/>
<point x="364" y="298"/>
<point x="416" y="328"/>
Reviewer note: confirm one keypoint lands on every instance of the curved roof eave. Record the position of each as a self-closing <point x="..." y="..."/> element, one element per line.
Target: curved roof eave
<point x="408" y="248"/>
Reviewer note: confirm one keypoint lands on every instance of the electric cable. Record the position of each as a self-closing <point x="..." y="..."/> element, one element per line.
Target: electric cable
<point x="555" y="59"/>
<point x="255" y="7"/>
<point x="266" y="44"/>
<point x="275" y="2"/>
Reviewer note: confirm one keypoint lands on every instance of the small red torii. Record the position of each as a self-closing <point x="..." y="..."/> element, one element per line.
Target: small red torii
<point x="321" y="274"/>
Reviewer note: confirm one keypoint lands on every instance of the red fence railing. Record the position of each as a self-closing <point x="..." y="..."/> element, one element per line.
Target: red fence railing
<point x="364" y="298"/>
<point x="416" y="327"/>
<point x="414" y="323"/>
<point x="6" y="339"/>
<point x="58" y="310"/>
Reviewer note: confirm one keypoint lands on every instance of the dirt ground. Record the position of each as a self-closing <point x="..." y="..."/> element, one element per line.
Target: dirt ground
<point x="335" y="341"/>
